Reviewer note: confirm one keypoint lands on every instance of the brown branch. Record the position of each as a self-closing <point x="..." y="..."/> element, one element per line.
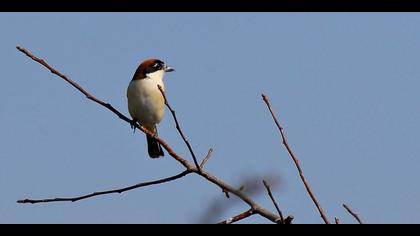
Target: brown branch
<point x="295" y="160"/>
<point x="267" y="186"/>
<point x="206" y="158"/>
<point x="189" y="167"/>
<point x="178" y="127"/>
<point x="74" y="84"/>
<point x="337" y="221"/>
<point x="353" y="214"/>
<point x="288" y="220"/>
<point x="119" y="190"/>
<point x="238" y="217"/>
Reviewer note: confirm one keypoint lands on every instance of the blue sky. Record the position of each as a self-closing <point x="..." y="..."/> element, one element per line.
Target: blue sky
<point x="345" y="86"/>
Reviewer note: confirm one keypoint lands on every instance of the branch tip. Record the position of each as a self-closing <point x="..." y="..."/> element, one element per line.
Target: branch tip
<point x="296" y="162"/>
<point x="349" y="210"/>
<point x="209" y="153"/>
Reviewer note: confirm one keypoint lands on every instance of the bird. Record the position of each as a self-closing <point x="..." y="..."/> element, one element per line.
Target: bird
<point x="146" y="103"/>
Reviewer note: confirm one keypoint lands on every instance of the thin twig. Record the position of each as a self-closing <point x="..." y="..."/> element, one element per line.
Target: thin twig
<point x="353" y="214"/>
<point x="119" y="190"/>
<point x="189" y="167"/>
<point x="238" y="217"/>
<point x="178" y="127"/>
<point x="74" y="84"/>
<point x="267" y="186"/>
<point x="337" y="221"/>
<point x="206" y="158"/>
<point x="288" y="220"/>
<point x="295" y="160"/>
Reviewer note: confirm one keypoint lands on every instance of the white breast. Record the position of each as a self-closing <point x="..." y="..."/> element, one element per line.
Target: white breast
<point x="145" y="101"/>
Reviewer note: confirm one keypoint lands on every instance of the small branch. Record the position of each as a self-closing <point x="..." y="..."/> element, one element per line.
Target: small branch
<point x="289" y="220"/>
<point x="189" y="167"/>
<point x="267" y="186"/>
<point x="178" y="127"/>
<point x="337" y="221"/>
<point x="119" y="190"/>
<point x="353" y="214"/>
<point x="74" y="84"/>
<point x="206" y="158"/>
<point x="295" y="160"/>
<point x="238" y="217"/>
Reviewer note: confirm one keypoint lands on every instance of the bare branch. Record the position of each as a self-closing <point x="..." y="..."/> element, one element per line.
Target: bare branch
<point x="353" y="214"/>
<point x="74" y="84"/>
<point x="189" y="167"/>
<point x="238" y="217"/>
<point x="337" y="221"/>
<point x="267" y="186"/>
<point x="295" y="160"/>
<point x="289" y="220"/>
<point x="119" y="190"/>
<point x="206" y="158"/>
<point x="178" y="127"/>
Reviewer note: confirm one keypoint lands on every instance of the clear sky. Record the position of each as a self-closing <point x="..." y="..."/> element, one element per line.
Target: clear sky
<point x="344" y="85"/>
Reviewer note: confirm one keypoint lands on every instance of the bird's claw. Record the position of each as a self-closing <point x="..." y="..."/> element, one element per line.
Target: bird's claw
<point x="133" y="124"/>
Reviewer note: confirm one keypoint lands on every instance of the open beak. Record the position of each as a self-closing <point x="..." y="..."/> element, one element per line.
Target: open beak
<point x="169" y="69"/>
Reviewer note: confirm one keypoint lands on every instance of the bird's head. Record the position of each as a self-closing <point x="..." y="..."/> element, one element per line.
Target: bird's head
<point x="151" y="68"/>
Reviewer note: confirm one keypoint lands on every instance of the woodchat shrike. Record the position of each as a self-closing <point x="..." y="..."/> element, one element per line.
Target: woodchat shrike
<point x="146" y="103"/>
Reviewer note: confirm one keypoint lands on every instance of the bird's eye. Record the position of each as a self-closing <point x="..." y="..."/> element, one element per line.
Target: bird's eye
<point x="156" y="65"/>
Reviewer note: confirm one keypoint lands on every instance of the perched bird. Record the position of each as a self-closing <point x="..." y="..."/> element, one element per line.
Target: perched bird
<point x="146" y="103"/>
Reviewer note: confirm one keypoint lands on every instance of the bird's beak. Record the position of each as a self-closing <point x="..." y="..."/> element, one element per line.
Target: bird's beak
<point x="169" y="69"/>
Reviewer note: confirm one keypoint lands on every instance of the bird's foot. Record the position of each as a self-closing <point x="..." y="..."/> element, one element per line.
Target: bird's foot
<point x="133" y="124"/>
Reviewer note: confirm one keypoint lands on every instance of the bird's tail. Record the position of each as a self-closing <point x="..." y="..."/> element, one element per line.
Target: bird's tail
<point x="153" y="147"/>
